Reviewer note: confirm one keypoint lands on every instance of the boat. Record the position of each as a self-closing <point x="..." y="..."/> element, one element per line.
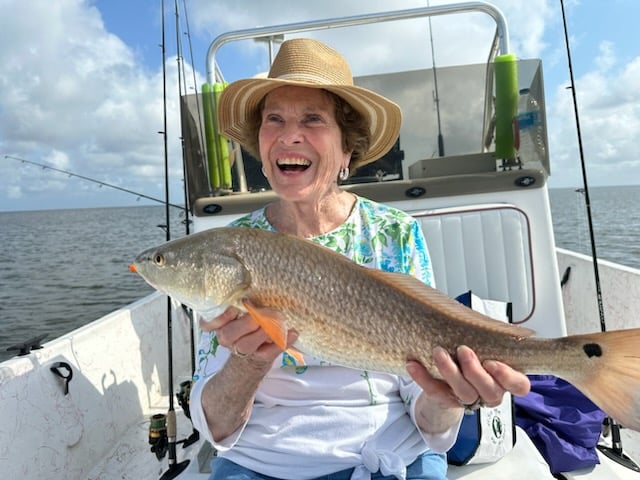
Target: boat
<point x="110" y="399"/>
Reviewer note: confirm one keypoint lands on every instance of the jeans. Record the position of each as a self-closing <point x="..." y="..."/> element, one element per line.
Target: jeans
<point x="428" y="466"/>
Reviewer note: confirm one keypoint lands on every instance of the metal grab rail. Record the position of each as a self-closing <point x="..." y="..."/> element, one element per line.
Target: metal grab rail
<point x="502" y="32"/>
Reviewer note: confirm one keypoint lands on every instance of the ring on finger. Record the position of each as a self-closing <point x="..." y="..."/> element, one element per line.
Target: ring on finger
<point x="235" y="351"/>
<point x="471" y="407"/>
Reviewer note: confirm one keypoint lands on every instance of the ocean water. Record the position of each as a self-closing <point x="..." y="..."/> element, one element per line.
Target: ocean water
<point x="60" y="269"/>
<point x="615" y="212"/>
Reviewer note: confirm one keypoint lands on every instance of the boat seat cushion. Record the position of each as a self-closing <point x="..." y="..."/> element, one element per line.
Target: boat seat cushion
<point x="485" y="249"/>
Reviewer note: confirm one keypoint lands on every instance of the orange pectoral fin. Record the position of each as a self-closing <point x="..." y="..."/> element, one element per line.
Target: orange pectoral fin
<point x="270" y="321"/>
<point x="297" y="354"/>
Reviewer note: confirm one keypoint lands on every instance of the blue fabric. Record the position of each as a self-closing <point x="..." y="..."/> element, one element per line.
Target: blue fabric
<point x="428" y="466"/>
<point x="468" y="440"/>
<point x="563" y="424"/>
<point x="465" y="298"/>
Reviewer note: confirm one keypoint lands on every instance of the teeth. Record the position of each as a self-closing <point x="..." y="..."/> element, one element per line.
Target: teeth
<point x="302" y="162"/>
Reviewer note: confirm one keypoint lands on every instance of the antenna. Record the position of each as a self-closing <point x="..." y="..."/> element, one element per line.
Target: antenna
<point x="436" y="97"/>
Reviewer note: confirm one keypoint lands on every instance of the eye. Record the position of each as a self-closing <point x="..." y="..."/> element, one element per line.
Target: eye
<point x="158" y="259"/>
<point x="313" y="119"/>
<point x="272" y="118"/>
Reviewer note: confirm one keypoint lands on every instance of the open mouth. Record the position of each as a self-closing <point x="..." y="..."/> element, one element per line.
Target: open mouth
<point x="293" y="164"/>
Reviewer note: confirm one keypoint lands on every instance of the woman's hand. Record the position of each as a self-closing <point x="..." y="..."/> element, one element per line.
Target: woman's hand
<point x="465" y="383"/>
<point x="242" y="335"/>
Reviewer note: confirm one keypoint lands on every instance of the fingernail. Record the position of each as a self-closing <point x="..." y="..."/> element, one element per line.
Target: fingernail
<point x="411" y="367"/>
<point x="489" y="364"/>
<point x="439" y="351"/>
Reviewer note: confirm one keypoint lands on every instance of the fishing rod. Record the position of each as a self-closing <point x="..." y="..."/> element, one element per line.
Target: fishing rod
<point x="175" y="468"/>
<point x="184" y="163"/>
<point x="615" y="452"/>
<point x="185" y="387"/>
<point x="93" y="180"/>
<point x="180" y="77"/>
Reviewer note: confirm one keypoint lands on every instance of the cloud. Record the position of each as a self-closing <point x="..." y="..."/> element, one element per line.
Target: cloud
<point x="14" y="192"/>
<point x="606" y="56"/>
<point x="609" y="116"/>
<point x="57" y="159"/>
<point x="76" y="96"/>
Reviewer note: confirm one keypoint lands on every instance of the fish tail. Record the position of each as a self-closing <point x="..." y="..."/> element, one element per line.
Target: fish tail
<point x="611" y="377"/>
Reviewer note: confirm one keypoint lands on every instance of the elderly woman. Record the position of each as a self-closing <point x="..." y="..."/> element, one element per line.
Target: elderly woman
<point x="267" y="417"/>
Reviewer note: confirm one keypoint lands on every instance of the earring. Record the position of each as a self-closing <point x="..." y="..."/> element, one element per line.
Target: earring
<point x="343" y="174"/>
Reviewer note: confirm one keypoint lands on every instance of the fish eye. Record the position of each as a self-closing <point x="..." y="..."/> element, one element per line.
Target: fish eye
<point x="158" y="259"/>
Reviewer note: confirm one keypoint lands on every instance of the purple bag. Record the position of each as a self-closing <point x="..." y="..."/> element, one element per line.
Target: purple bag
<point x="562" y="423"/>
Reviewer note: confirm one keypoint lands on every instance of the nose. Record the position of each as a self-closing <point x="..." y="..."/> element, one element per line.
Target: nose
<point x="291" y="133"/>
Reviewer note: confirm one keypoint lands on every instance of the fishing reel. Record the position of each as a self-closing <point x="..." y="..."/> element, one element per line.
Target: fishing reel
<point x="183" y="397"/>
<point x="158" y="435"/>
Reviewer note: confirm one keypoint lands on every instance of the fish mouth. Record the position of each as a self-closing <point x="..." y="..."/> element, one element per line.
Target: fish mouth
<point x="293" y="164"/>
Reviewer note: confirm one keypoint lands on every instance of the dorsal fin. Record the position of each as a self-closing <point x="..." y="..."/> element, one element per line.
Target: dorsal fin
<point x="437" y="300"/>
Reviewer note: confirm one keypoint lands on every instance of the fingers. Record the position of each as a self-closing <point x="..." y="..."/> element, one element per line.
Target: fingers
<point x="475" y="378"/>
<point x="468" y="381"/>
<point x="230" y="314"/>
<point x="237" y="331"/>
<point x="511" y="380"/>
<point x="437" y="390"/>
<point x="245" y="343"/>
<point x="454" y="373"/>
<point x="231" y="326"/>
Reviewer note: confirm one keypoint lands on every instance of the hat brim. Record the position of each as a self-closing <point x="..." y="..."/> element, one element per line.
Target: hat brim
<point x="240" y="98"/>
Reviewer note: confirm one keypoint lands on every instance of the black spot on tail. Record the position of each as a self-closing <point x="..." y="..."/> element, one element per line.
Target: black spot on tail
<point x="592" y="350"/>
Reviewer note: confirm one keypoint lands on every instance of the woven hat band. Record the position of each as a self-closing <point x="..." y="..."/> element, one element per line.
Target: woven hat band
<point x="310" y="78"/>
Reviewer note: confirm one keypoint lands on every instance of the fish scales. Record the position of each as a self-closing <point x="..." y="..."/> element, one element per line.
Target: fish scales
<point x="353" y="316"/>
<point x="329" y="301"/>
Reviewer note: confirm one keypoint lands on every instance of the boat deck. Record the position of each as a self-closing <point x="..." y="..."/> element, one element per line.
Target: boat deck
<point x="132" y="459"/>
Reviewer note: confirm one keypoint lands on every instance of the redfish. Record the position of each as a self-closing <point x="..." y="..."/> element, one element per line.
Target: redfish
<point x="369" y="319"/>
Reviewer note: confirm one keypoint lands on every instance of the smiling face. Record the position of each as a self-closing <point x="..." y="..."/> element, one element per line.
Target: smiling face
<point x="301" y="143"/>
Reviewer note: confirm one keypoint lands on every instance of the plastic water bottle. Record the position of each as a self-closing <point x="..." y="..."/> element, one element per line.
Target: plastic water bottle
<point x="531" y="147"/>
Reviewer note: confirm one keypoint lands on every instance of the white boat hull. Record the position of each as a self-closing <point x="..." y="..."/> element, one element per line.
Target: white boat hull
<point x="119" y="366"/>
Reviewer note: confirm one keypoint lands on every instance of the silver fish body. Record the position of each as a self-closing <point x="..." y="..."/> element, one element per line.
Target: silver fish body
<point x="358" y="317"/>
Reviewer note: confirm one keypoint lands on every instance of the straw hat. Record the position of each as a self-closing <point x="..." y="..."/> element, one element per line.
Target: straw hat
<point x="309" y="63"/>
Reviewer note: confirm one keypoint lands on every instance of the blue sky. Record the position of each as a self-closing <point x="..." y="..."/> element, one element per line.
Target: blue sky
<point x="82" y="84"/>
